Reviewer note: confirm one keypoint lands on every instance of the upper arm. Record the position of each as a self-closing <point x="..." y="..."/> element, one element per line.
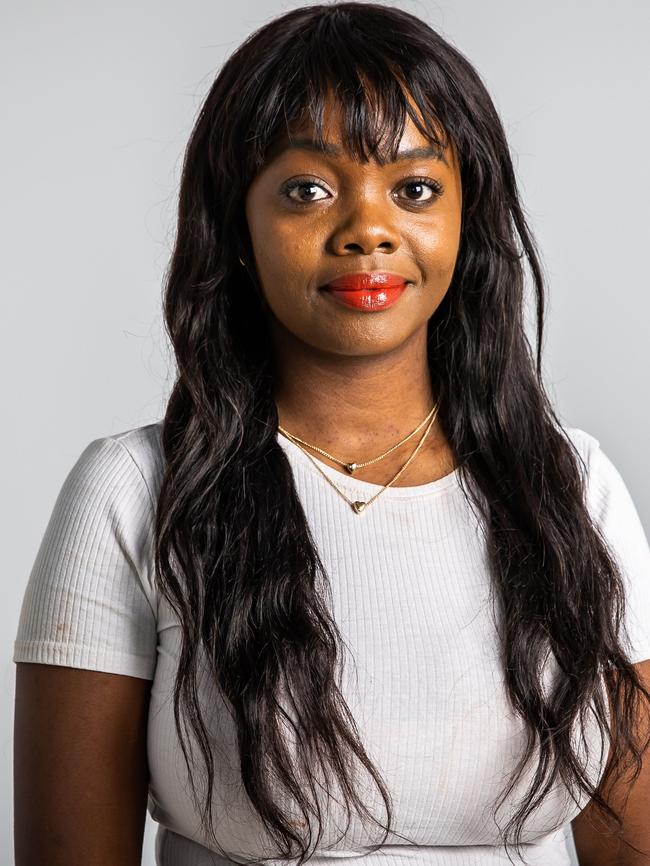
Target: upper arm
<point x="598" y="846"/>
<point x="85" y="653"/>
<point x="90" y="602"/>
<point x="80" y="766"/>
<point x="618" y="520"/>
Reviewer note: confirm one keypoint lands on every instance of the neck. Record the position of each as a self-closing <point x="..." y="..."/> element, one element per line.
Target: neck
<point x="353" y="404"/>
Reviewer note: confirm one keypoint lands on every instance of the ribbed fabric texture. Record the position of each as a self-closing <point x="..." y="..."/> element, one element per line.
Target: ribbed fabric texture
<point x="422" y="672"/>
<point x="86" y="604"/>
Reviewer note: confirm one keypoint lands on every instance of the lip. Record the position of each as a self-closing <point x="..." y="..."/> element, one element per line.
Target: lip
<point x="367" y="300"/>
<point x="361" y="281"/>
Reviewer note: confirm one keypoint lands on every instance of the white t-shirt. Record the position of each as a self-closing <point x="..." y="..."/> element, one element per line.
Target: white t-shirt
<point x="422" y="673"/>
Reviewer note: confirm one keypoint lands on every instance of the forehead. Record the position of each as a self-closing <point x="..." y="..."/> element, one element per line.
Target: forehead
<point x="302" y="135"/>
<point x="334" y="150"/>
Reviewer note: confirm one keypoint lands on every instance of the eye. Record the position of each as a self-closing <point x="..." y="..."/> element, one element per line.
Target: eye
<point x="309" y="185"/>
<point x="431" y="189"/>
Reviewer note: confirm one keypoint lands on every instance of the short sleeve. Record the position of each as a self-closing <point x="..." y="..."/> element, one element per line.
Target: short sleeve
<point x="614" y="512"/>
<point x="88" y="602"/>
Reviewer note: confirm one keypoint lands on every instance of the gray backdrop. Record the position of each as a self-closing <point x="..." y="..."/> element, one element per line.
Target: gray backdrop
<point x="98" y="101"/>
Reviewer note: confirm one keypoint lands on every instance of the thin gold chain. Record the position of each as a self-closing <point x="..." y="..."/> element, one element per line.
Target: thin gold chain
<point x="358" y="506"/>
<point x="352" y="467"/>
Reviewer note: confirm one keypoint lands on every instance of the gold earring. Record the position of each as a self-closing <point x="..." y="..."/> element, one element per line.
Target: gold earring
<point x="241" y="261"/>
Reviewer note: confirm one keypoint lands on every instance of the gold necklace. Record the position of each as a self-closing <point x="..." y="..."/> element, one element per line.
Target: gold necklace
<point x="352" y="467"/>
<point x="358" y="506"/>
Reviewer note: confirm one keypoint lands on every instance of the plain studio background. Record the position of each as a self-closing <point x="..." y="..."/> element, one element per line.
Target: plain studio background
<point x="98" y="103"/>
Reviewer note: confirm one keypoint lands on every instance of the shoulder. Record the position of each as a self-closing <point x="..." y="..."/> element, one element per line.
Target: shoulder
<point x="606" y="491"/>
<point x="593" y="463"/>
<point x="122" y="468"/>
<point x="586" y="443"/>
<point x="607" y="495"/>
<point x="139" y="447"/>
<point x="108" y="499"/>
<point x="610" y="502"/>
<point x="615" y="514"/>
<point x="91" y="600"/>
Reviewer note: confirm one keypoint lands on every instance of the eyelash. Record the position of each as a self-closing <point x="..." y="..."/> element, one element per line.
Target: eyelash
<point x="435" y="186"/>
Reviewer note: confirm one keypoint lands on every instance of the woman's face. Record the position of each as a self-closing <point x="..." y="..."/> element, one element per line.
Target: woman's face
<point x="314" y="216"/>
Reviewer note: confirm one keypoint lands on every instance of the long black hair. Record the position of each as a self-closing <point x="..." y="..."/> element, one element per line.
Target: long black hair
<point x="234" y="555"/>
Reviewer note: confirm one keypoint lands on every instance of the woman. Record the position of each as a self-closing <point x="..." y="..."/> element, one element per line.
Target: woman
<point x="359" y="567"/>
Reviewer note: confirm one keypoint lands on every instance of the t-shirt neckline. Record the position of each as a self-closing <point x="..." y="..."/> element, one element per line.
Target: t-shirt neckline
<point x="349" y="482"/>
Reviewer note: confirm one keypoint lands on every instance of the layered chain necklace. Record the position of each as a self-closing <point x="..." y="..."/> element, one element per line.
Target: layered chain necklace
<point x="358" y="506"/>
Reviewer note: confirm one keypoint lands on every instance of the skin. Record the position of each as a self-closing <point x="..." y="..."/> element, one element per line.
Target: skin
<point x="80" y="749"/>
<point x="355" y="383"/>
<point x="367" y="371"/>
<point x="80" y="767"/>
<point x="593" y="846"/>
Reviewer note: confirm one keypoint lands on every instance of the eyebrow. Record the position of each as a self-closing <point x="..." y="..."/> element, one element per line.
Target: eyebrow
<point x="330" y="149"/>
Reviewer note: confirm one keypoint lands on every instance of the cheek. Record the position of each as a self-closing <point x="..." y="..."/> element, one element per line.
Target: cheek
<point x="437" y="250"/>
<point x="267" y="245"/>
<point x="285" y="247"/>
<point x="449" y="247"/>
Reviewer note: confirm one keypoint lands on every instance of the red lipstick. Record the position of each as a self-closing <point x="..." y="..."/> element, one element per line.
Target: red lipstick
<point x="367" y="290"/>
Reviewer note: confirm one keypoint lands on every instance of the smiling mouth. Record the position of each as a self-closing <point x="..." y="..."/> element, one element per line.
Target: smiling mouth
<point x="365" y="281"/>
<point x="367" y="300"/>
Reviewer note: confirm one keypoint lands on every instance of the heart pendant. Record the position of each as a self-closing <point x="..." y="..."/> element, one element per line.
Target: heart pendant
<point x="350" y="467"/>
<point x="359" y="506"/>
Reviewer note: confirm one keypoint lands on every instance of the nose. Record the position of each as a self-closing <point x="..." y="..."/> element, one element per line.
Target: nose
<point x="366" y="227"/>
